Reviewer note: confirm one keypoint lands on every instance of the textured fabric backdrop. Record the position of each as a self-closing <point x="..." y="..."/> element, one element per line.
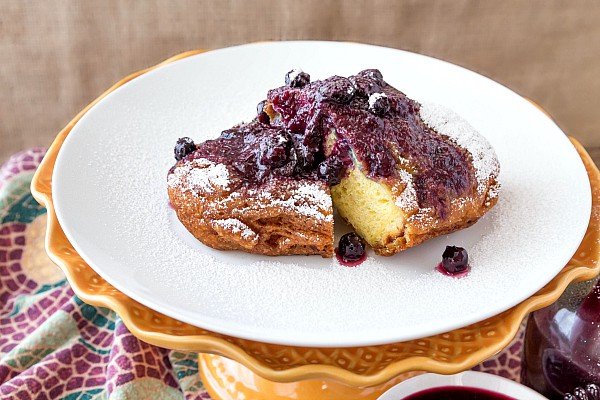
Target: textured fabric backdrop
<point x="57" y="56"/>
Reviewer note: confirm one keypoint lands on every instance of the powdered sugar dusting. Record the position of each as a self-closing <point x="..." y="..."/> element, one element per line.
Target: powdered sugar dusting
<point x="408" y="198"/>
<point x="236" y="226"/>
<point x="450" y="124"/>
<point x="293" y="74"/>
<point x="309" y="199"/>
<point x="199" y="174"/>
<point x="374" y="97"/>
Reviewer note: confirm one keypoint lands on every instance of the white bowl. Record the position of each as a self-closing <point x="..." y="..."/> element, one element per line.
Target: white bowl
<point x="472" y="379"/>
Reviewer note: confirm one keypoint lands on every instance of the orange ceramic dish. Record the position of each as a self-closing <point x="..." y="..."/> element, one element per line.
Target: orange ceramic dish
<point x="358" y="366"/>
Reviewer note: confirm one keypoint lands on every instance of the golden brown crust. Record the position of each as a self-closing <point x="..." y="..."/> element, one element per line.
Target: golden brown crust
<point x="424" y="224"/>
<point x="280" y="217"/>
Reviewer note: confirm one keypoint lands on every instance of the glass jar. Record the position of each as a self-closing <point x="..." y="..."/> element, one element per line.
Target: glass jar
<point x="561" y="353"/>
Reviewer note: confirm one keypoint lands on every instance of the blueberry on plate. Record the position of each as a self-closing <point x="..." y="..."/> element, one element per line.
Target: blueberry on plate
<point x="351" y="247"/>
<point x="455" y="259"/>
<point x="183" y="147"/>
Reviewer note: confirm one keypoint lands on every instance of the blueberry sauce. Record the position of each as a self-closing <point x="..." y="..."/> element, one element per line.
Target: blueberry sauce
<point x="462" y="274"/>
<point x="381" y="137"/>
<point x="457" y="393"/>
<point x="292" y="134"/>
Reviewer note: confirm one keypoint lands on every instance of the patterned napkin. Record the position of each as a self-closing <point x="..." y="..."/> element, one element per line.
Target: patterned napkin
<point x="54" y="346"/>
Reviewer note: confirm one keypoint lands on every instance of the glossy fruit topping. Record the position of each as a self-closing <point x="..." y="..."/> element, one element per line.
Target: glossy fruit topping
<point x="297" y="78"/>
<point x="331" y="170"/>
<point x="379" y="138"/>
<point x="337" y="89"/>
<point x="183" y="147"/>
<point x="320" y="130"/>
<point x="351" y="247"/>
<point x="455" y="259"/>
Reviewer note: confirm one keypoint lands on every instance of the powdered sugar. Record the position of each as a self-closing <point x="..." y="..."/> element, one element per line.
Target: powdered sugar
<point x="293" y="74"/>
<point x="374" y="97"/>
<point x="308" y="199"/>
<point x="408" y="198"/>
<point x="450" y="124"/>
<point x="236" y="226"/>
<point x="199" y="174"/>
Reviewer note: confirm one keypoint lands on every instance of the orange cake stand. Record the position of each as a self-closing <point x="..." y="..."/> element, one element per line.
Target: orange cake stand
<point x="238" y="368"/>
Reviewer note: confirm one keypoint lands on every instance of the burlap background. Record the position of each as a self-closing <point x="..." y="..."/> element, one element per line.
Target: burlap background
<point x="59" y="55"/>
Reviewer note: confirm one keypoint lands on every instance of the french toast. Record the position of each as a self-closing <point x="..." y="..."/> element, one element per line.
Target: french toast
<point x="397" y="171"/>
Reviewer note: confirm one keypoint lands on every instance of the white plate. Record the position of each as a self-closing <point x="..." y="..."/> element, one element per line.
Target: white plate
<point x="472" y="379"/>
<point x="109" y="188"/>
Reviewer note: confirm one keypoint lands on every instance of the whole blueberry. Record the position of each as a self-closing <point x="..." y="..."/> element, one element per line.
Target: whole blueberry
<point x="373" y="74"/>
<point x="379" y="103"/>
<point x="262" y="116"/>
<point x="351" y="247"/>
<point x="183" y="147"/>
<point x="455" y="259"/>
<point x="364" y="86"/>
<point x="297" y="78"/>
<point x="331" y="170"/>
<point x="307" y="150"/>
<point x="274" y="150"/>
<point x="337" y="89"/>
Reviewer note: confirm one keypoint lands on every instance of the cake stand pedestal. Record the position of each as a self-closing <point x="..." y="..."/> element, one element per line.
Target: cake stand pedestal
<point x="268" y="371"/>
<point x="227" y="379"/>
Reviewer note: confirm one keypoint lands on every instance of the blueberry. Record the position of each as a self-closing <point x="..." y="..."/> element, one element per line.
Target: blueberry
<point x="331" y="170"/>
<point x="337" y="89"/>
<point x="569" y="396"/>
<point x="297" y="78"/>
<point x="364" y="86"/>
<point x="263" y="117"/>
<point x="274" y="150"/>
<point x="379" y="104"/>
<point x="307" y="150"/>
<point x="183" y="147"/>
<point x="455" y="259"/>
<point x="351" y="247"/>
<point x="229" y="133"/>
<point x="373" y="74"/>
